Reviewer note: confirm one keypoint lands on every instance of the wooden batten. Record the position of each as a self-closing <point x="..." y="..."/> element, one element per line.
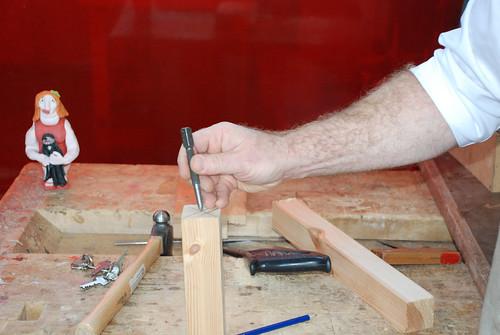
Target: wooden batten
<point x="418" y="255"/>
<point x="482" y="160"/>
<point x="203" y="273"/>
<point x="465" y="241"/>
<point x="401" y="301"/>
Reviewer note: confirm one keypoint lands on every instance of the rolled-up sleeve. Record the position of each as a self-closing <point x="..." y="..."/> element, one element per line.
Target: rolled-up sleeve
<point x="463" y="78"/>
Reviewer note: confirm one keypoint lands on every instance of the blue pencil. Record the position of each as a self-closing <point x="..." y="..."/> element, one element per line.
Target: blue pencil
<point x="278" y="325"/>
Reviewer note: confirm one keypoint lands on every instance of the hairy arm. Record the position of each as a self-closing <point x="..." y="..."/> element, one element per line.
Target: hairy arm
<point x="395" y="124"/>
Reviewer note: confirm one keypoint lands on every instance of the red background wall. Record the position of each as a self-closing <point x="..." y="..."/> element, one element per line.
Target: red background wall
<point x="132" y="73"/>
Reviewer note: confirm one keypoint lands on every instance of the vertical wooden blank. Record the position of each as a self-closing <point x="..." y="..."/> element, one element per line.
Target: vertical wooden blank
<point x="203" y="273"/>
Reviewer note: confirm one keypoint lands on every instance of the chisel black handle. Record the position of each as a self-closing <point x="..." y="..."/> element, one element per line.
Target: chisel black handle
<point x="286" y="260"/>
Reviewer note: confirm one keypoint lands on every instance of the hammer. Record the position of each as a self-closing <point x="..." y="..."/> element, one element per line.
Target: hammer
<point x="160" y="243"/>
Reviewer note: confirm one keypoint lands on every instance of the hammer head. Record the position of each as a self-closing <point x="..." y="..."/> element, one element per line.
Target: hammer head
<point x="163" y="229"/>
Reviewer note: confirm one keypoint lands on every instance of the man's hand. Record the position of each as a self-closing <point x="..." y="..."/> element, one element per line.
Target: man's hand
<point x="230" y="157"/>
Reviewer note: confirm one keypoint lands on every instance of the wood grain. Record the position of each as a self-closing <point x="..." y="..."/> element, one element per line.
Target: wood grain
<point x="405" y="304"/>
<point x="203" y="276"/>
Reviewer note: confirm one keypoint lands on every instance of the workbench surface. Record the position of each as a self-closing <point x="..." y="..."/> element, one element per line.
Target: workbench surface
<point x="157" y="305"/>
<point x="39" y="230"/>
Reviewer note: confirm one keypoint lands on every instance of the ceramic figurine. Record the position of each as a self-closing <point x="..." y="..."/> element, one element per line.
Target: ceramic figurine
<point x="51" y="140"/>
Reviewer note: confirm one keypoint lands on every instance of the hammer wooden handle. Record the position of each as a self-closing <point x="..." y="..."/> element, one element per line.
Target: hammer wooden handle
<point x="121" y="290"/>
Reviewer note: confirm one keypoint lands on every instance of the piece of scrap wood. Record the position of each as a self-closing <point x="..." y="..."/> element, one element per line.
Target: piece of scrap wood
<point x="418" y="255"/>
<point x="465" y="241"/>
<point x="203" y="273"/>
<point x="400" y="300"/>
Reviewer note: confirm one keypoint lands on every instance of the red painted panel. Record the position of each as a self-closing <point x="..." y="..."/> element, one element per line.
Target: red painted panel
<point x="132" y="73"/>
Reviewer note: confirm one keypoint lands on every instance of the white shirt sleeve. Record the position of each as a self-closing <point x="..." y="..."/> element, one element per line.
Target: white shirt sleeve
<point x="463" y="79"/>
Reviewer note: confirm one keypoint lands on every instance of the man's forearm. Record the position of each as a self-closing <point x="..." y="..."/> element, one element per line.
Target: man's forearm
<point x="394" y="125"/>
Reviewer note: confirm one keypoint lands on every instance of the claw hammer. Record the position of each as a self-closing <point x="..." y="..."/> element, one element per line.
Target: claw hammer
<point x="160" y="243"/>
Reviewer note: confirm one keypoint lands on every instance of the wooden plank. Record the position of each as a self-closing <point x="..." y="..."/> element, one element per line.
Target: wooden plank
<point x="203" y="274"/>
<point x="401" y="301"/>
<point x="418" y="255"/>
<point x="388" y="204"/>
<point x="483" y="161"/>
<point x="457" y="225"/>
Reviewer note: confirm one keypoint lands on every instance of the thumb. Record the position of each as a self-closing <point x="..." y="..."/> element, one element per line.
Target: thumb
<point x="213" y="164"/>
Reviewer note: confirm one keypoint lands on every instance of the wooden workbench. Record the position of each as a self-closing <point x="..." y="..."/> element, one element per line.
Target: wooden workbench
<point x="39" y="230"/>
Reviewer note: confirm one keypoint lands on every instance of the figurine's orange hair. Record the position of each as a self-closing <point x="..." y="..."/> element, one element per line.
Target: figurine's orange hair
<point x="61" y="111"/>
